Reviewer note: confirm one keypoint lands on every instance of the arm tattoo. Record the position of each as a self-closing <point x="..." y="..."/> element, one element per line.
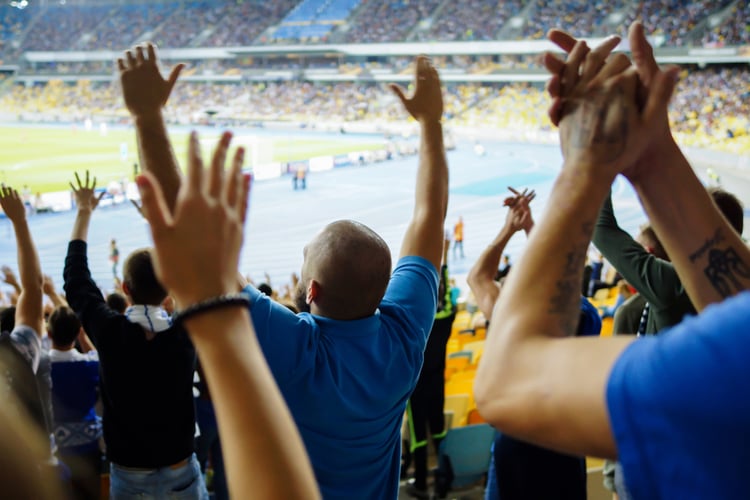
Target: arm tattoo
<point x="564" y="302"/>
<point x="725" y="266"/>
<point x="711" y="242"/>
<point x="724" y="269"/>
<point x="594" y="130"/>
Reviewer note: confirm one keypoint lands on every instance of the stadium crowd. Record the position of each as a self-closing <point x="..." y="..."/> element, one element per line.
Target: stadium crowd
<point x="98" y="26"/>
<point x="303" y="394"/>
<point x="710" y="107"/>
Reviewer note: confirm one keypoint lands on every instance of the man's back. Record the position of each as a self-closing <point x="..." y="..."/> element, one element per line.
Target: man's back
<point x="146" y="382"/>
<point x="347" y="382"/>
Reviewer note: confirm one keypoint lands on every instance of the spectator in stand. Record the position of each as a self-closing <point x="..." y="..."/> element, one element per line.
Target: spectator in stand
<point x="75" y="391"/>
<point x="149" y="417"/>
<point x="22" y="390"/>
<point x="516" y="464"/>
<point x="615" y="397"/>
<point x="254" y="423"/>
<point x="327" y="366"/>
<point x="426" y="404"/>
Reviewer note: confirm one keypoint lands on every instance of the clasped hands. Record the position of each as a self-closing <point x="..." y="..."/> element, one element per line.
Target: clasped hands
<point x="612" y="114"/>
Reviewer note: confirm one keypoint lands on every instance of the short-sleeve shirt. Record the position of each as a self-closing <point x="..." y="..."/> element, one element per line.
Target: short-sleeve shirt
<point x="679" y="406"/>
<point x="347" y="382"/>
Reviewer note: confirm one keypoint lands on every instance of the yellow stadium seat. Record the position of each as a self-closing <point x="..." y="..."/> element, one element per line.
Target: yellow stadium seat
<point x="457" y="405"/>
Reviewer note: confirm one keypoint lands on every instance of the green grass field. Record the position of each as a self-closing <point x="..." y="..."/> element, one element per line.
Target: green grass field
<point x="45" y="158"/>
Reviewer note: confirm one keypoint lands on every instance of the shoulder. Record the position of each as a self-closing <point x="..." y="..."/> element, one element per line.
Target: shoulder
<point x="27" y="343"/>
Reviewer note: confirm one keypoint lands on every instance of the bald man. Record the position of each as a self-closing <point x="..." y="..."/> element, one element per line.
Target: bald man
<point x="347" y="364"/>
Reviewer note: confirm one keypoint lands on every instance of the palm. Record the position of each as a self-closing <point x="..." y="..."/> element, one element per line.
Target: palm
<point x="85" y="193"/>
<point x="143" y="87"/>
<point x="12" y="204"/>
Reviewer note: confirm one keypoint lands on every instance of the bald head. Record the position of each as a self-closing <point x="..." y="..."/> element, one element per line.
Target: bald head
<point x="347" y="266"/>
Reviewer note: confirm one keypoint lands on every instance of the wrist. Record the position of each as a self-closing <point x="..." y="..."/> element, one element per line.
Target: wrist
<point x="147" y="117"/>
<point x="429" y="122"/>
<point x="664" y="162"/>
<point x="190" y="310"/>
<point x="586" y="172"/>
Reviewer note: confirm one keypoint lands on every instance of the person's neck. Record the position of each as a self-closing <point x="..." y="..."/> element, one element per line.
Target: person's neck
<point x="63" y="347"/>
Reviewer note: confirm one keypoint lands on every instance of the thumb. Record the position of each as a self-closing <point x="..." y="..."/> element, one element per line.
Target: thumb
<point x="661" y="92"/>
<point x="399" y="91"/>
<point x="173" y="76"/>
<point x="153" y="206"/>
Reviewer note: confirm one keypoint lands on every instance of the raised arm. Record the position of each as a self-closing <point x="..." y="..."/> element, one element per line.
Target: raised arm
<point x="29" y="309"/>
<point x="48" y="287"/>
<point x="532" y="382"/>
<point x="197" y="255"/>
<point x="709" y="257"/>
<point x="481" y="277"/>
<point x="86" y="203"/>
<point x="145" y="92"/>
<point x="653" y="277"/>
<point x="424" y="236"/>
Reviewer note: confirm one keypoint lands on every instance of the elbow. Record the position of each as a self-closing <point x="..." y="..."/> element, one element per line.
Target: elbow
<point x="489" y="397"/>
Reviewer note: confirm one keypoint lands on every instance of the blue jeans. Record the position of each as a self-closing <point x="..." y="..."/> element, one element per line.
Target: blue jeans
<point x="208" y="443"/>
<point x="185" y="482"/>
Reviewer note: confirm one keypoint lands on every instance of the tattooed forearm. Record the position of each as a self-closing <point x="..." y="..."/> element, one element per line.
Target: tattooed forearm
<point x="565" y="301"/>
<point x="725" y="271"/>
<point x="710" y="243"/>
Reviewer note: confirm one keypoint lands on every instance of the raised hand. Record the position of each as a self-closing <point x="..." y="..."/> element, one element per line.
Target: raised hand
<point x="198" y="247"/>
<point x="426" y="105"/>
<point x="654" y="88"/>
<point x="85" y="194"/>
<point x="9" y="277"/>
<point x="48" y="286"/>
<point x="563" y="75"/>
<point x="12" y="204"/>
<point x="519" y="213"/>
<point x="144" y="89"/>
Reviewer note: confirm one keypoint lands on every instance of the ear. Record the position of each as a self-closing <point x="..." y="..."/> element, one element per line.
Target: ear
<point x="125" y="289"/>
<point x="313" y="292"/>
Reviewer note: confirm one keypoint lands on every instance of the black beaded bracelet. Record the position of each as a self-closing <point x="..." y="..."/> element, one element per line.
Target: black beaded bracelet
<point x="211" y="304"/>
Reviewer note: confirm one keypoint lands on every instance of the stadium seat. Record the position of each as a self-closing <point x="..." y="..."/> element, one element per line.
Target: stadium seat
<point x="457" y="406"/>
<point x="463" y="458"/>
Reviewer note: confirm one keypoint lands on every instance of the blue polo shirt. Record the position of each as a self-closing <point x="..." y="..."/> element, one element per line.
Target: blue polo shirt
<point x="679" y="406"/>
<point x="347" y="382"/>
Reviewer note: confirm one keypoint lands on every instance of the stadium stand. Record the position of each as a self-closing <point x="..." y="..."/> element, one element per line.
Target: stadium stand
<point x="244" y="22"/>
<point x="200" y="23"/>
<point x="61" y="26"/>
<point x="733" y="28"/>
<point x="313" y="20"/>
<point x="385" y="21"/>
<point x="128" y="24"/>
<point x="469" y="20"/>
